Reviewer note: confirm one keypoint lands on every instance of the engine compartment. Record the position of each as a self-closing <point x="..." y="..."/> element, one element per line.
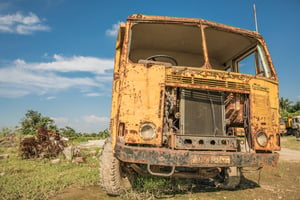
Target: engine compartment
<point x="204" y="119"/>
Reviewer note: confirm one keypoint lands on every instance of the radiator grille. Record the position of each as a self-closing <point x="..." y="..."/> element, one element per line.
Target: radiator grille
<point x="219" y="84"/>
<point x="202" y="112"/>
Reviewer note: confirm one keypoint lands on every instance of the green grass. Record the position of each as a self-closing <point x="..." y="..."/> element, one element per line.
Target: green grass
<point x="39" y="179"/>
<point x="290" y="142"/>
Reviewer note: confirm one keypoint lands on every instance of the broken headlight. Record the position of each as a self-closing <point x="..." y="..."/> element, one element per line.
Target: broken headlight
<point x="262" y="139"/>
<point x="147" y="131"/>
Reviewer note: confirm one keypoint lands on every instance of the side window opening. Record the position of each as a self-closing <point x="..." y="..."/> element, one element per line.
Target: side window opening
<point x="247" y="64"/>
<point x="234" y="52"/>
<point x="254" y="63"/>
<point x="224" y="46"/>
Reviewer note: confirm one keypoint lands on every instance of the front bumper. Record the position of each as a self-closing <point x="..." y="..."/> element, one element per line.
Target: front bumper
<point x="186" y="158"/>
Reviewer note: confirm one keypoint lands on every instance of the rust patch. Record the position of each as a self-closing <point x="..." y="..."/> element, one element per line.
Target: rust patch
<point x="210" y="159"/>
<point x="186" y="158"/>
<point x="133" y="132"/>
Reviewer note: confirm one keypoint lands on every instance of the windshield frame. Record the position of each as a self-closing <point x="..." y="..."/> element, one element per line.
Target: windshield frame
<point x="203" y="24"/>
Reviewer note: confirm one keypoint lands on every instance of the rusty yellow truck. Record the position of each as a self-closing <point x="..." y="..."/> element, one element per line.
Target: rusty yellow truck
<point x="181" y="87"/>
<point x="293" y="126"/>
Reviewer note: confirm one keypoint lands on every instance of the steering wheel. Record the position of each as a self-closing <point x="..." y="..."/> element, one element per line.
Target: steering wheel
<point x="162" y="56"/>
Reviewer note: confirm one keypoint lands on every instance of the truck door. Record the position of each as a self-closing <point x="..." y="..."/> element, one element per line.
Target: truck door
<point x="264" y="108"/>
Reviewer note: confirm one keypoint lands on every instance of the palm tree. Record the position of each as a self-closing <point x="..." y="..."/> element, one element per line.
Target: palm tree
<point x="284" y="104"/>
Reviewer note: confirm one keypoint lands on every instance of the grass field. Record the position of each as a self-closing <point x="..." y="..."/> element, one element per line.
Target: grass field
<point x="290" y="142"/>
<point x="39" y="179"/>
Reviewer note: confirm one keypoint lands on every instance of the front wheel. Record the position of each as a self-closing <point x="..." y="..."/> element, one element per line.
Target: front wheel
<point x="112" y="178"/>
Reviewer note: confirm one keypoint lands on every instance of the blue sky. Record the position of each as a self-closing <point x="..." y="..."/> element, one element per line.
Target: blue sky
<point x="56" y="56"/>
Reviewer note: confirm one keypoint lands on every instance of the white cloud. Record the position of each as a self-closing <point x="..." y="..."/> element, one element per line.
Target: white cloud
<point x="84" y="124"/>
<point x="50" y="98"/>
<point x="92" y="119"/>
<point x="20" y="78"/>
<point x="73" y="64"/>
<point x="114" y="30"/>
<point x="19" y="62"/>
<point x="29" y="29"/>
<point x="21" y="24"/>
<point x="93" y="123"/>
<point x="26" y="78"/>
<point x="94" y="94"/>
<point x="15" y="93"/>
<point x="60" y="120"/>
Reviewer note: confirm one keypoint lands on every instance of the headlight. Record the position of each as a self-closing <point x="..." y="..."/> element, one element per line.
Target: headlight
<point x="262" y="139"/>
<point x="147" y="131"/>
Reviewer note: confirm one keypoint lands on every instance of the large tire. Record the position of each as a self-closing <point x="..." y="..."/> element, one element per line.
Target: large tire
<point x="112" y="180"/>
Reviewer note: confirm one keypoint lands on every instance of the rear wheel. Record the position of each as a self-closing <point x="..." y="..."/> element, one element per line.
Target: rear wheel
<point x="112" y="178"/>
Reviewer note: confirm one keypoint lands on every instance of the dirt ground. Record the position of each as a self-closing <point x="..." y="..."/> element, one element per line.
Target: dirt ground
<point x="281" y="182"/>
<point x="289" y="155"/>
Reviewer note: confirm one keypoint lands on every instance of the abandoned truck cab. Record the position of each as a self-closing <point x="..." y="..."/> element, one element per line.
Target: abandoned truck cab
<point x="181" y="90"/>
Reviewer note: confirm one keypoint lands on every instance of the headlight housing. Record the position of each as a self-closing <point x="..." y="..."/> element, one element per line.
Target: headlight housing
<point x="262" y="139"/>
<point x="147" y="131"/>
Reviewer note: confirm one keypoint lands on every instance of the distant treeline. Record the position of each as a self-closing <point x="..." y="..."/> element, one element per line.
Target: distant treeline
<point x="33" y="120"/>
<point x="288" y="108"/>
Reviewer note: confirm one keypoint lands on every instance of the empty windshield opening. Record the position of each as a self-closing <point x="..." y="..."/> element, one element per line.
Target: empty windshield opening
<point x="181" y="42"/>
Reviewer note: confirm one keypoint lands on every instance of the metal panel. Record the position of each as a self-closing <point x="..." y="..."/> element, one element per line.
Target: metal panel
<point x="205" y="143"/>
<point x="212" y="83"/>
<point x="186" y="158"/>
<point x="264" y="112"/>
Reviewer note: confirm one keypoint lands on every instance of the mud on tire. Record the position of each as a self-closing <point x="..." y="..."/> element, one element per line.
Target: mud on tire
<point x="112" y="180"/>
